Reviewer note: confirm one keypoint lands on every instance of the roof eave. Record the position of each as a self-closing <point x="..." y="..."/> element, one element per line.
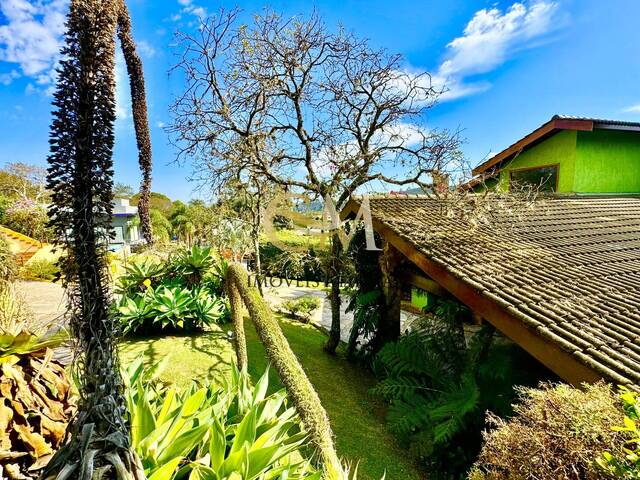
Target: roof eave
<point x="552" y="126"/>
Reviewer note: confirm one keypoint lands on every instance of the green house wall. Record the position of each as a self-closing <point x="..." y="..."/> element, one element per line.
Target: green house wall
<point x="558" y="149"/>
<point x="600" y="161"/>
<point x="608" y="161"/>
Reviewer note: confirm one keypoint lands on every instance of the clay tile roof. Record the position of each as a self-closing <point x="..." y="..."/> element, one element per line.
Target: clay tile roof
<point x="569" y="268"/>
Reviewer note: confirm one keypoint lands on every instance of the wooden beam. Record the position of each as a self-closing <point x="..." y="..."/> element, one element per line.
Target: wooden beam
<point x="423" y="283"/>
<point x="561" y="362"/>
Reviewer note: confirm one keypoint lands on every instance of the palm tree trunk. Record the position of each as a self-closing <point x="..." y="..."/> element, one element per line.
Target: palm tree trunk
<point x="140" y="120"/>
<point x="80" y="178"/>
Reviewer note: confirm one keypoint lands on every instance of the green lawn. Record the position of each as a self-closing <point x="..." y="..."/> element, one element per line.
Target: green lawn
<point x="357" y="418"/>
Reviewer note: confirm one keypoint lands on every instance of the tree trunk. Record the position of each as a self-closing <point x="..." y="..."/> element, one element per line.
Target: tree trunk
<point x="140" y="120"/>
<point x="389" y="325"/>
<point x="334" y="277"/>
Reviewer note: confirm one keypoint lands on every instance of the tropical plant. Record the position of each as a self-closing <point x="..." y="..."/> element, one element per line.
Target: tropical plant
<point x="8" y="266"/>
<point x="35" y="403"/>
<point x="140" y="275"/>
<point x="161" y="227"/>
<point x="557" y="432"/>
<point x="80" y="179"/>
<point x="170" y="308"/>
<point x="215" y="432"/>
<point x="302" y="307"/>
<point x="193" y="264"/>
<point x="367" y="301"/>
<point x="626" y="464"/>
<point x="438" y="390"/>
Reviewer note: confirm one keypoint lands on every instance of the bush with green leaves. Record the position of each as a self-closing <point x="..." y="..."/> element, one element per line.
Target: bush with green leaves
<point x="302" y="307"/>
<point x="439" y="389"/>
<point x="181" y="293"/>
<point x="556" y="433"/>
<point x="625" y="464"/>
<point x="44" y="269"/>
<point x="232" y="431"/>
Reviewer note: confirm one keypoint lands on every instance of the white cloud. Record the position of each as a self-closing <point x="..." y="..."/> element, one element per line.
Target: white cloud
<point x="490" y="38"/>
<point x="146" y="49"/>
<point x="7" y="78"/>
<point x="31" y="38"/>
<point x="123" y="97"/>
<point x="189" y="8"/>
<point x="632" y="109"/>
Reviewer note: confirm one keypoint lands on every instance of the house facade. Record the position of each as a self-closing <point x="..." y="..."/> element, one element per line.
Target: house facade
<point x="569" y="155"/>
<point x="124" y="225"/>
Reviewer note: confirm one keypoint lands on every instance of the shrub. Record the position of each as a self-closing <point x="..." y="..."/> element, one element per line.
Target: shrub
<point x="40" y="269"/>
<point x="15" y="315"/>
<point x="211" y="432"/>
<point x="627" y="465"/>
<point x="8" y="267"/>
<point x="302" y="307"/>
<point x="439" y="389"/>
<point x="179" y="293"/>
<point x="557" y="432"/>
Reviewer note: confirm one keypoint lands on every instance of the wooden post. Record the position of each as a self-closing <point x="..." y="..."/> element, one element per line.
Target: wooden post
<point x="390" y="261"/>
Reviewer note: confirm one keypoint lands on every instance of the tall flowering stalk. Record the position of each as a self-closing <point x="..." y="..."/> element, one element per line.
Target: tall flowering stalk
<point x="80" y="179"/>
<point x="140" y="120"/>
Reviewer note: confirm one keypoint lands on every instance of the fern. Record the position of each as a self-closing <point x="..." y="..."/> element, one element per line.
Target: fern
<point x="438" y="389"/>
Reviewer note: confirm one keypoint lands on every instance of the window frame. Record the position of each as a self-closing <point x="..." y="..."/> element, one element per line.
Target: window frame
<point x="524" y="169"/>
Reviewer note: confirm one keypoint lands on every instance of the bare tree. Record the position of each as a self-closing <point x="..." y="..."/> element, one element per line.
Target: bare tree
<point x="294" y="104"/>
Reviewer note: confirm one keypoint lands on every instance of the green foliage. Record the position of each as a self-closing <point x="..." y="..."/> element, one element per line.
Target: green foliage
<point x="292" y="265"/>
<point x="213" y="432"/>
<point x="438" y="389"/>
<point x="28" y="217"/>
<point x="40" y="269"/>
<point x="182" y="293"/>
<point x="8" y="267"/>
<point x="366" y="299"/>
<point x="557" y="432"/>
<point x="160" y="225"/>
<point x="302" y="307"/>
<point x="193" y="264"/>
<point x="626" y="464"/>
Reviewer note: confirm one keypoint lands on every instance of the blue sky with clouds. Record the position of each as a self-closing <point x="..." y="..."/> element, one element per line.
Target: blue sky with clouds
<point x="508" y="66"/>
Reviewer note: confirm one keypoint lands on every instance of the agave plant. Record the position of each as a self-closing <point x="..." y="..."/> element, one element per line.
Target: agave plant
<point x="234" y="431"/>
<point x="194" y="264"/>
<point x="35" y="403"/>
<point x="139" y="276"/>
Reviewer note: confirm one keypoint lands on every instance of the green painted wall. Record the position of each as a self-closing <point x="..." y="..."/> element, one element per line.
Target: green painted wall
<point x="608" y="161"/>
<point x="559" y="148"/>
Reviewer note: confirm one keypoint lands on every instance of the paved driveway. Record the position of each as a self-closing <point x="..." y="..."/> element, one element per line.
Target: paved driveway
<point x="47" y="300"/>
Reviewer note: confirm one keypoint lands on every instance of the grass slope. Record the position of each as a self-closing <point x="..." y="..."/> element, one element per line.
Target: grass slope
<point x="356" y="418"/>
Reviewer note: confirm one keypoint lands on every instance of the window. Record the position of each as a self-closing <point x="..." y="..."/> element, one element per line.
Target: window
<point x="544" y="178"/>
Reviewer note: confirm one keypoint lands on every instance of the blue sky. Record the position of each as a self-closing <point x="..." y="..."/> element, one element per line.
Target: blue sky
<point x="509" y="67"/>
